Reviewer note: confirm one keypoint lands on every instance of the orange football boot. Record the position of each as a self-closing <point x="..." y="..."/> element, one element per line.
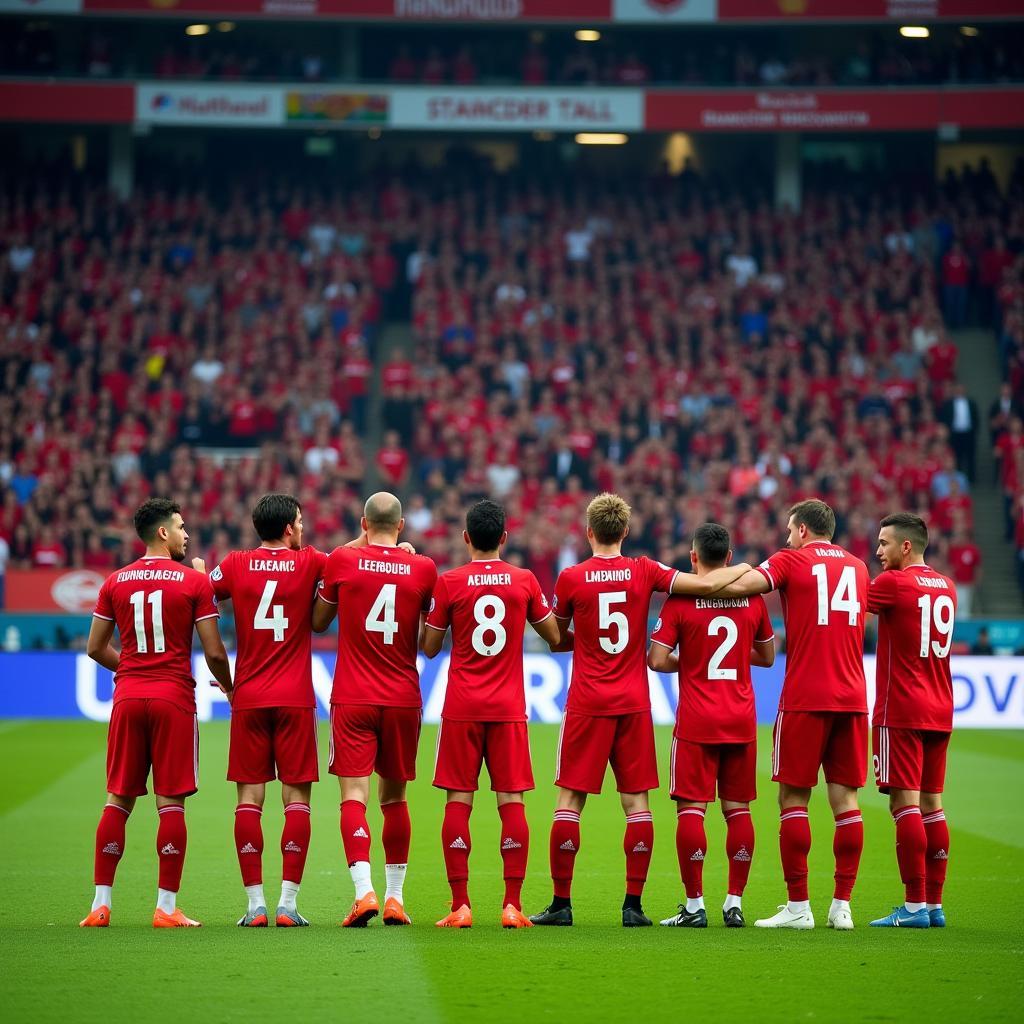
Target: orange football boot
<point x="161" y="919"/>
<point x="362" y="911"/>
<point x="98" y="918"/>
<point x="512" y="918"/>
<point x="461" y="918"/>
<point x="394" y="912"/>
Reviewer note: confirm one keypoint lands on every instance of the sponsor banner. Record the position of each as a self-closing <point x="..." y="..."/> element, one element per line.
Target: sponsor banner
<point x="382" y="10"/>
<point x="864" y="10"/>
<point x="335" y="107"/>
<point x="988" y="693"/>
<point x="518" y="109"/>
<point x="805" y="110"/>
<point x="40" y="6"/>
<point x="665" y="11"/>
<point x="81" y="103"/>
<point x="52" y="590"/>
<point x="234" y="105"/>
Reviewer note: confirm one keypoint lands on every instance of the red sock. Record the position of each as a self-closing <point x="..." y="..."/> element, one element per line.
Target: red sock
<point x="911" y="844"/>
<point x="562" y="850"/>
<point x="637" y="844"/>
<point x="171" y="840"/>
<point x="249" y="842"/>
<point x="515" y="849"/>
<point x="109" y="843"/>
<point x="794" y="845"/>
<point x="936" y="855"/>
<point x="396" y="832"/>
<point x="456" y="843"/>
<point x="739" y="848"/>
<point x="355" y="831"/>
<point x="294" y="842"/>
<point x="847" y="847"/>
<point x="691" y="846"/>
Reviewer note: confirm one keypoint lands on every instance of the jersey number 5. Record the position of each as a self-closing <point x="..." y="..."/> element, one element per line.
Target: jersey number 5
<point x="606" y="618"/>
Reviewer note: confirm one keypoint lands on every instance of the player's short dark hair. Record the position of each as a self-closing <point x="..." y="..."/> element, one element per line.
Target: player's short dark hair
<point x="908" y="526"/>
<point x="152" y="514"/>
<point x="273" y="512"/>
<point x="816" y="516"/>
<point x="485" y="523"/>
<point x="711" y="542"/>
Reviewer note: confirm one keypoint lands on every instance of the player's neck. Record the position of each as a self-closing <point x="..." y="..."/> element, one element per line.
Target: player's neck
<point x="273" y="544"/>
<point x="484" y="556"/>
<point x="606" y="550"/>
<point x="914" y="562"/>
<point x="812" y="539"/>
<point x="382" y="540"/>
<point x="157" y="551"/>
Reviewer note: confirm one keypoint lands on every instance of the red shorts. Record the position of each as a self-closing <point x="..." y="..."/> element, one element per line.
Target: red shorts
<point x="909" y="759"/>
<point x="263" y="739"/>
<point x="145" y="733"/>
<point x="803" y="741"/>
<point x="694" y="768"/>
<point x="588" y="743"/>
<point x="462" y="747"/>
<point x="368" y="738"/>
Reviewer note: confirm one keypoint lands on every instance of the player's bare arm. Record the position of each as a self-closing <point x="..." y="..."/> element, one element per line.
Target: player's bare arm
<point x="762" y="654"/>
<point x="751" y="582"/>
<point x="661" y="659"/>
<point x="548" y="630"/>
<point x="709" y="583"/>
<point x="216" y="656"/>
<point x="98" y="646"/>
<point x="431" y="638"/>
<point x="363" y="540"/>
<point x="323" y="614"/>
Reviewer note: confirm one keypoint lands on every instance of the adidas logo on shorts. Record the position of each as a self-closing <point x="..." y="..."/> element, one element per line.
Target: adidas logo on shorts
<point x="292" y="847"/>
<point x="508" y="843"/>
<point x="568" y="845"/>
<point x="170" y="850"/>
<point x="113" y="849"/>
<point x="248" y="848"/>
<point x="360" y="833"/>
<point x="697" y="855"/>
<point x="458" y="844"/>
<point x="641" y="847"/>
<point x="941" y="855"/>
<point x="742" y="854"/>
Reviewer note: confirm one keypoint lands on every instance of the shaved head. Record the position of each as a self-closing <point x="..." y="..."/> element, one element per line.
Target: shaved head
<point x="383" y="511"/>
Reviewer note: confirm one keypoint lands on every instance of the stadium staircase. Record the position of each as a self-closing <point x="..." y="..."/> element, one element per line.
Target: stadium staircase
<point x="393" y="334"/>
<point x="978" y="368"/>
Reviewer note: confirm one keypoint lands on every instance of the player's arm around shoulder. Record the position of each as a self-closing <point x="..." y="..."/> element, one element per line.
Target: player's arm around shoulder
<point x="730" y="581"/>
<point x="325" y="605"/>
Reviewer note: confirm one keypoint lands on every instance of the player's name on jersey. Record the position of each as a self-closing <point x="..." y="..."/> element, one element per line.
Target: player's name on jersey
<point x="830" y="552"/>
<point x="270" y="565"/>
<point x="490" y="579"/>
<point x="932" y="583"/>
<point x="388" y="568"/>
<point x="722" y="602"/>
<point x="608" y="575"/>
<point x="131" y="575"/>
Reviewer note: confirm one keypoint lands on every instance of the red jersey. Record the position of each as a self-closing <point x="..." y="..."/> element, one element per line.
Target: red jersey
<point x="609" y="597"/>
<point x="487" y="604"/>
<point x="155" y="602"/>
<point x="382" y="591"/>
<point x="916" y="608"/>
<point x="824" y="591"/>
<point x="715" y="636"/>
<point x="273" y="590"/>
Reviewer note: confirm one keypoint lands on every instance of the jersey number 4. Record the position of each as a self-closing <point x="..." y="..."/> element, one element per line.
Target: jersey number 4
<point x="276" y="621"/>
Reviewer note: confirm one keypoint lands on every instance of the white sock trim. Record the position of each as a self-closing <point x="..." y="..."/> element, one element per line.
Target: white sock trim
<point x="394" y="875"/>
<point x="166" y="900"/>
<point x="289" y="892"/>
<point x="360" y="872"/>
<point x="104" y="896"/>
<point x="256" y="897"/>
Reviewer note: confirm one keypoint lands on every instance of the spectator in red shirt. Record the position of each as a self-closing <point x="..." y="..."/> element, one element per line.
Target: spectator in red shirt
<point x="965" y="570"/>
<point x="956" y="276"/>
<point x="47" y="551"/>
<point x="393" y="460"/>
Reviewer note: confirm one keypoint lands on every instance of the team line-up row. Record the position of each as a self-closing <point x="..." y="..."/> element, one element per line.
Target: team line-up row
<point x="391" y="604"/>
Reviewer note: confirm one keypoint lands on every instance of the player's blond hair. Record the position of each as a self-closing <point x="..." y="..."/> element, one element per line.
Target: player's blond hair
<point x="608" y="516"/>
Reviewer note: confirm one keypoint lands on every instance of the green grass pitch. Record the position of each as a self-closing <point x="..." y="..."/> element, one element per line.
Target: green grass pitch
<point x="52" y="791"/>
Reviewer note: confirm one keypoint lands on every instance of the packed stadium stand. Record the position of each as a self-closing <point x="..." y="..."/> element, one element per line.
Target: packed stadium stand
<point x="692" y="347"/>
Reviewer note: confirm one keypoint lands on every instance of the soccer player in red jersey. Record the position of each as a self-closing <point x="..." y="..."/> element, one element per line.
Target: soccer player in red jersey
<point x="487" y="603"/>
<point x="608" y="710"/>
<point x="822" y="719"/>
<point x="715" y="736"/>
<point x="273" y="714"/>
<point x="375" y="702"/>
<point x="913" y="715"/>
<point x="154" y="602"/>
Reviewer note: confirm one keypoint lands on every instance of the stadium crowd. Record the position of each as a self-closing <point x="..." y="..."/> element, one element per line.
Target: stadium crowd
<point x="699" y="352"/>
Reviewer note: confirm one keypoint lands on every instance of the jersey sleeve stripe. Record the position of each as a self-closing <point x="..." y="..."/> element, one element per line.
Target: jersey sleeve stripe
<point x="660" y="644"/>
<point x="440" y="629"/>
<point x="767" y="575"/>
<point x="543" y="618"/>
<point x="326" y="600"/>
<point x="767" y="639"/>
<point x="106" y="618"/>
<point x="672" y="585"/>
<point x="564" y="618"/>
<point x="214" y="615"/>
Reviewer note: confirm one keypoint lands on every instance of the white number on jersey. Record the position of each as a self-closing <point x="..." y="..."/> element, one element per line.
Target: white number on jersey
<point x="844" y="599"/>
<point x="607" y="618"/>
<point x="722" y="624"/>
<point x="941" y="614"/>
<point x="381" y="617"/>
<point x="138" y="603"/>
<point x="277" y="621"/>
<point x="489" y="612"/>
